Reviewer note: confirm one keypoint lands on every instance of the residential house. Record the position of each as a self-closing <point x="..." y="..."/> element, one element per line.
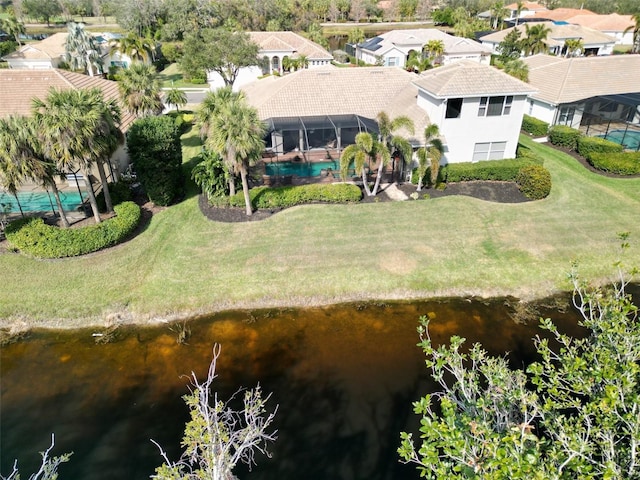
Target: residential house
<point x="595" y="94"/>
<point x="594" y="42"/>
<point x="273" y="49"/>
<point x="316" y="113"/>
<point x="20" y="86"/>
<point x="526" y="10"/>
<point x="392" y="49"/>
<point x="47" y="53"/>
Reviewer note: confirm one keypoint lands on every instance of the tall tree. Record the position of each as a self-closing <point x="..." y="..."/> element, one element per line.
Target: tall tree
<point x="78" y="129"/>
<point x="636" y="33"/>
<point x="176" y="97"/>
<point x="519" y="8"/>
<point x="433" y="50"/>
<point x="81" y="50"/>
<point x="511" y="46"/>
<point x="237" y="135"/>
<point x="138" y="49"/>
<point x="573" y="47"/>
<point x="218" y="50"/>
<point x="498" y="13"/>
<point x="535" y="38"/>
<point x="398" y="146"/>
<point x="363" y="154"/>
<point x="13" y="26"/>
<point x="140" y="89"/>
<point x="42" y="9"/>
<point x="429" y="156"/>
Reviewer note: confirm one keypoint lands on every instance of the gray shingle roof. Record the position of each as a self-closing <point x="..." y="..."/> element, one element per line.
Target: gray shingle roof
<point x="565" y="80"/>
<point x="339" y="91"/>
<point x="470" y="79"/>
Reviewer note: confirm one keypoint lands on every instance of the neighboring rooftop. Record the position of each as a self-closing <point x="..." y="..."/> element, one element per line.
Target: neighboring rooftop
<point x="565" y="80"/>
<point x="289" y="42"/>
<point x="420" y="36"/>
<point x="560" y="14"/>
<point x="557" y="35"/>
<point x="470" y="79"/>
<point x="339" y="91"/>
<point x="605" y="23"/>
<point x="20" y="86"/>
<point x="49" y="48"/>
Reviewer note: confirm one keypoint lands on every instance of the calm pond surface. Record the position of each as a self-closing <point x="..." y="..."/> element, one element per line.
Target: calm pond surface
<point x="344" y="378"/>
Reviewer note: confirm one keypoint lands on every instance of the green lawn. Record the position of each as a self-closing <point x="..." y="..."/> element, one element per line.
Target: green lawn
<point x="172" y="77"/>
<point x="182" y="263"/>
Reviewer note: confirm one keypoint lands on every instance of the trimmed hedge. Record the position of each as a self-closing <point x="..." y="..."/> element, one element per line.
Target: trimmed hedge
<point x="589" y="145"/>
<point x="499" y="170"/>
<point x="564" y="136"/>
<point x="622" y="163"/>
<point x="34" y="237"/>
<point x="534" y="126"/>
<point x="289" y="196"/>
<point x="534" y="181"/>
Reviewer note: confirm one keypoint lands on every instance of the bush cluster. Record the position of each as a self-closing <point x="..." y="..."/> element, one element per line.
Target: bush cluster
<point x="589" y="145"/>
<point x="120" y="192"/>
<point x="534" y="126"/>
<point x="156" y="152"/>
<point x="621" y="163"/>
<point x="183" y="120"/>
<point x="564" y="136"/>
<point x="289" y="196"/>
<point x="534" y="181"/>
<point x="499" y="170"/>
<point x="34" y="237"/>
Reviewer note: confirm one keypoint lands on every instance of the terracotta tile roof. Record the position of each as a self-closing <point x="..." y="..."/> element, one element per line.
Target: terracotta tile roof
<point x="557" y="35"/>
<point x="470" y="79"/>
<point x="566" y="80"/>
<point x="20" y="86"/>
<point x="50" y="47"/>
<point x="605" y="23"/>
<point x="560" y="14"/>
<point x="339" y="91"/>
<point x="289" y="42"/>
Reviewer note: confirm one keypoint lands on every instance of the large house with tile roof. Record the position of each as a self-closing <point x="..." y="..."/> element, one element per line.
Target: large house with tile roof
<point x="591" y="93"/>
<point x="594" y="42"/>
<point x="21" y="86"/>
<point x="273" y="48"/>
<point x="393" y="48"/>
<point x="47" y="53"/>
<point x="477" y="107"/>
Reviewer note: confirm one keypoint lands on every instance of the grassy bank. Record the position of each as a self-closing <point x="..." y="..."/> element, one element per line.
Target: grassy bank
<point x="183" y="264"/>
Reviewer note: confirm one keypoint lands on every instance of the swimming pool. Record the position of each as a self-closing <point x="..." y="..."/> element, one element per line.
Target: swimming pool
<point x="301" y="169"/>
<point x="627" y="138"/>
<point x="39" y="202"/>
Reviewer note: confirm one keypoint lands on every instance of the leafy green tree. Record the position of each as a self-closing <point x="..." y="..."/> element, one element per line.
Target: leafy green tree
<point x="517" y="69"/>
<point x="78" y="128"/>
<point x="48" y="468"/>
<point x="211" y="175"/>
<point x="81" y="51"/>
<point x="511" y="46"/>
<point x="42" y="9"/>
<point x="140" y="89"/>
<point x="218" y="436"/>
<point x="443" y="16"/>
<point x="237" y="134"/>
<point x="12" y="26"/>
<point x="572" y="414"/>
<point x="429" y="156"/>
<point x="218" y="50"/>
<point x="176" y="97"/>
<point x="155" y="150"/>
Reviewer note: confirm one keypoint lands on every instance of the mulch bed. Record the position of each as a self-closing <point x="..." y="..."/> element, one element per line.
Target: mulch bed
<point x="501" y="192"/>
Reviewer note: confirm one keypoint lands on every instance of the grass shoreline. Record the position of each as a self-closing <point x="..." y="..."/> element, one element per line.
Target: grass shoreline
<point x="183" y="265"/>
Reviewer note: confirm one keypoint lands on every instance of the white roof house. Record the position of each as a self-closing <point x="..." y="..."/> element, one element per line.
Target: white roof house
<point x="40" y="55"/>
<point x="326" y="108"/>
<point x="273" y="48"/>
<point x="595" y="42"/>
<point x="583" y="91"/>
<point x="393" y="48"/>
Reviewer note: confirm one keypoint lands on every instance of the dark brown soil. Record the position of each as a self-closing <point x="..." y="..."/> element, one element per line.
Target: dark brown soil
<point x="501" y="192"/>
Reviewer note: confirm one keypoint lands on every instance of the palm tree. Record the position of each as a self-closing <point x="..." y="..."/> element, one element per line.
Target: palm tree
<point x="498" y="12"/>
<point x="636" y="33"/>
<point x="13" y="26"/>
<point x="81" y="51"/>
<point x="237" y="135"/>
<point x="140" y="88"/>
<point x="176" y="97"/>
<point x="519" y="8"/>
<point x="138" y="49"/>
<point x="355" y="37"/>
<point x="517" y="69"/>
<point x="429" y="155"/>
<point x="396" y="144"/>
<point x="434" y="49"/>
<point x="78" y="129"/>
<point x="360" y="153"/>
<point x="535" y="39"/>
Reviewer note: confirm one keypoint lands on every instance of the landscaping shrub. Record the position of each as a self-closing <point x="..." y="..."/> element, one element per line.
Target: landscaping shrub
<point x="156" y="153"/>
<point x="289" y="196"/>
<point x="33" y="236"/>
<point x="534" y="181"/>
<point x="564" y="136"/>
<point x="622" y="163"/>
<point x="120" y="192"/>
<point x="182" y="120"/>
<point x="498" y="170"/>
<point x="534" y="126"/>
<point x="589" y="145"/>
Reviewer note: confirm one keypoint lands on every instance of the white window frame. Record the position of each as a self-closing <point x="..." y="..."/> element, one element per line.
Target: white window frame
<point x="489" y="106"/>
<point x="488" y="151"/>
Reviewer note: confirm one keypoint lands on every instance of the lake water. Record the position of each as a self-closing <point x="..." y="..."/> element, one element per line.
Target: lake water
<point x="344" y="378"/>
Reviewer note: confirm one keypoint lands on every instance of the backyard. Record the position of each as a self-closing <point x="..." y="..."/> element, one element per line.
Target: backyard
<point x="182" y="264"/>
